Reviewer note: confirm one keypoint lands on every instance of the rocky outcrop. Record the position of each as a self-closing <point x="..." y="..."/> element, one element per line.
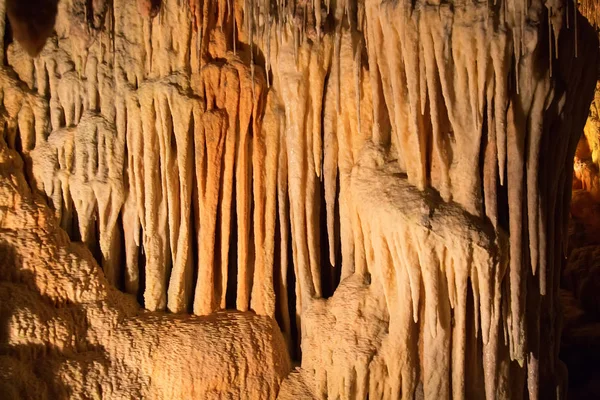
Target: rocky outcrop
<point x="66" y="333"/>
<point x="388" y="181"/>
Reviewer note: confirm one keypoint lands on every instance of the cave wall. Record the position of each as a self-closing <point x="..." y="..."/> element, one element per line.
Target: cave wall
<point x="386" y="183"/>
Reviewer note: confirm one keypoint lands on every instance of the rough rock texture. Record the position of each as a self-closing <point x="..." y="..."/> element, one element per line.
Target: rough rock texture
<point x="250" y="155"/>
<point x="587" y="155"/>
<point x="591" y="10"/>
<point x="66" y="333"/>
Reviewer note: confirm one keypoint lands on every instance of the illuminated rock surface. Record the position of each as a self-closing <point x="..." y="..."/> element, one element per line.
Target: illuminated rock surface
<point x="381" y="191"/>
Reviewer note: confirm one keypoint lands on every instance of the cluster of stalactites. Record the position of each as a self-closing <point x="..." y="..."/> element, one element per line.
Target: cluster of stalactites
<point x="435" y="74"/>
<point x="307" y="19"/>
<point x="421" y="70"/>
<point x="257" y="22"/>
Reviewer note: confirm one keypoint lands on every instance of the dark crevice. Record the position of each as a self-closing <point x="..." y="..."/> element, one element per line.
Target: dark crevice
<point x="277" y="275"/>
<point x="122" y="259"/>
<point x="194" y="217"/>
<point x="483" y="146"/>
<point x="94" y="244"/>
<point x="171" y="128"/>
<point x="231" y="291"/>
<point x="296" y="351"/>
<point x="251" y="248"/>
<point x="141" y="270"/>
<point x="8" y="37"/>
<point x="330" y="274"/>
<point x="218" y="272"/>
<point x="337" y="273"/>
<point x="89" y="12"/>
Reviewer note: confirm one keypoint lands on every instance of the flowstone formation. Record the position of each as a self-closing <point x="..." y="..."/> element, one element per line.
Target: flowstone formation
<point x="378" y="190"/>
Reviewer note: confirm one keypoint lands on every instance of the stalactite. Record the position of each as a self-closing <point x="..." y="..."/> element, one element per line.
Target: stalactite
<point x="209" y="142"/>
<point x="231" y="102"/>
<point x="202" y="145"/>
<point x="179" y="159"/>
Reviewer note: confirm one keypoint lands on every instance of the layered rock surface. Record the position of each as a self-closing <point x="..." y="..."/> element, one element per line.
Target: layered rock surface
<point x="66" y="333"/>
<point x="251" y="155"/>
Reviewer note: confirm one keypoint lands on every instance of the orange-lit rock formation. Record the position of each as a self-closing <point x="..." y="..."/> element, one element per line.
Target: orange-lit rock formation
<point x="380" y="189"/>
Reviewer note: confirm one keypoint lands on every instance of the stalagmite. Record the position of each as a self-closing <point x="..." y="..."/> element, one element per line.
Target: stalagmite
<point x="377" y="190"/>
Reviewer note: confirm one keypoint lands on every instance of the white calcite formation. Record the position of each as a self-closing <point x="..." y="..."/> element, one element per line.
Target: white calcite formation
<point x="248" y="155"/>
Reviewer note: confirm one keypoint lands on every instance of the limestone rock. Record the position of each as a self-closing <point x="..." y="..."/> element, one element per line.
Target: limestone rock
<point x="32" y="22"/>
<point x="66" y="333"/>
<point x="378" y="189"/>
